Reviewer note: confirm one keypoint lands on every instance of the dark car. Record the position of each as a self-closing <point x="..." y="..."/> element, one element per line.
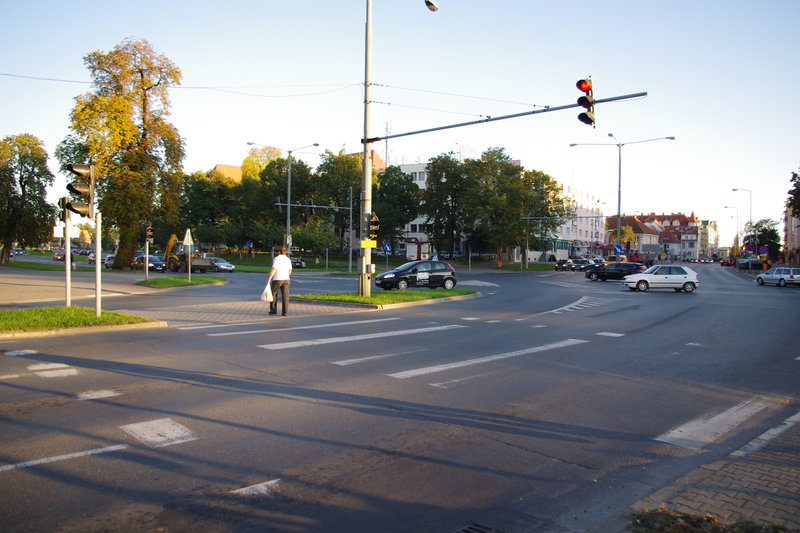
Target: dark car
<point x="614" y="271"/>
<point x="58" y="256"/>
<point x="728" y="261"/>
<point x="154" y="263"/>
<point x="581" y="265"/>
<point x="564" y="264"/>
<point x="418" y="274"/>
<point x="297" y="262"/>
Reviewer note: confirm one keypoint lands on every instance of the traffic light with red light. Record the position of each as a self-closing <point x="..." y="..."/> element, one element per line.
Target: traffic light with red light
<point x="586" y="101"/>
<point x="83" y="188"/>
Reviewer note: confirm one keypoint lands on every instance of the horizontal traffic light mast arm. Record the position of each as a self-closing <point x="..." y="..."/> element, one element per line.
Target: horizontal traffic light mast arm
<point x="493" y="119"/>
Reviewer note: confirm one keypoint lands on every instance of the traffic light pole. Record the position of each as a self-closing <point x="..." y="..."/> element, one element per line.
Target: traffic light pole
<point x="98" y="259"/>
<point x="67" y="261"/>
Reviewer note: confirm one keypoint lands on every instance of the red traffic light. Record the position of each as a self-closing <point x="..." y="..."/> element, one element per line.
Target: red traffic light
<point x="584" y="85"/>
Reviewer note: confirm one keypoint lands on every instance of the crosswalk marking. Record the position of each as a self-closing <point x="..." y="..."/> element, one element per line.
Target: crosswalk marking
<point x="353" y="338"/>
<point x="700" y="432"/>
<point x="480" y="360"/>
<point x="369" y="358"/>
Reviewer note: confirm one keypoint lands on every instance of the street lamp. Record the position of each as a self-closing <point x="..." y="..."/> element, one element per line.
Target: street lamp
<point x="751" y="214"/>
<point x="287" y="239"/>
<point x="619" y="145"/>
<point x="364" y="288"/>
<point x="737" y="219"/>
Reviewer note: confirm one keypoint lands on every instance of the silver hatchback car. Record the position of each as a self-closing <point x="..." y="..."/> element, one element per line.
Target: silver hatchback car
<point x="780" y="276"/>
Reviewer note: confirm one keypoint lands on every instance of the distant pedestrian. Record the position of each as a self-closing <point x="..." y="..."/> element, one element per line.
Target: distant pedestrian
<point x="279" y="277"/>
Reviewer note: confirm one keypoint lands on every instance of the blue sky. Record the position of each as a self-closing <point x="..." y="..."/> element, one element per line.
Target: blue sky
<point x="720" y="77"/>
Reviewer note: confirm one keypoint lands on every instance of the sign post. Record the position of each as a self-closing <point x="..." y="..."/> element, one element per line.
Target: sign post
<point x="187" y="241"/>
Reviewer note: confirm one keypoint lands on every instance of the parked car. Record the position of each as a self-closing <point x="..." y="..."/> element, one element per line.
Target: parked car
<point x="109" y="260"/>
<point x="564" y="264"/>
<point x="297" y="262"/>
<point x="220" y="265"/>
<point x="780" y="276"/>
<point x="58" y="255"/>
<point x="614" y="271"/>
<point x="154" y="263"/>
<point x="679" y="278"/>
<point x="728" y="261"/>
<point x="581" y="264"/>
<point x="418" y="274"/>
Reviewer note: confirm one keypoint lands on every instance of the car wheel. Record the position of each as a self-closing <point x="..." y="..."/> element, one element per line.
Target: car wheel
<point x="688" y="287"/>
<point x="759" y="281"/>
<point x="781" y="282"/>
<point x="642" y="285"/>
<point x="402" y="284"/>
<point x="449" y="284"/>
<point x="593" y="276"/>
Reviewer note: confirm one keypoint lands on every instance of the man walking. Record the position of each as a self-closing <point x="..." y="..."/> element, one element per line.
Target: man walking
<point x="279" y="278"/>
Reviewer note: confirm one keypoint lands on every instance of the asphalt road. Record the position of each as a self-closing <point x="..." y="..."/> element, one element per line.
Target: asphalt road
<point x="549" y="404"/>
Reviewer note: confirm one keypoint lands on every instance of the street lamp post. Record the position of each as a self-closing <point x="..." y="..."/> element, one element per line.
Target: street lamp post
<point x="287" y="239"/>
<point x="751" y="215"/>
<point x="364" y="288"/>
<point x="619" y="146"/>
<point x="737" y="219"/>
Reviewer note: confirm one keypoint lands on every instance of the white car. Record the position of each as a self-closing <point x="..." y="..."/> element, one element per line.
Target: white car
<point x="680" y="278"/>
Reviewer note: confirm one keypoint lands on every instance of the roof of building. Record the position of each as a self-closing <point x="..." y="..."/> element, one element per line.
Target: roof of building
<point x="232" y="172"/>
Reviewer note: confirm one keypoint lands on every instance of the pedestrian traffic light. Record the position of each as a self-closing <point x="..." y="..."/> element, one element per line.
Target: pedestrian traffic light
<point x="149" y="233"/>
<point x="83" y="188"/>
<point x="62" y="208"/>
<point x="586" y="101"/>
<point x="311" y="211"/>
<point x="374" y="226"/>
<point x="278" y="206"/>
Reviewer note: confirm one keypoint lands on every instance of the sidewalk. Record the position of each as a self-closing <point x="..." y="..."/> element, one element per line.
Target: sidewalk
<point x="759" y="482"/>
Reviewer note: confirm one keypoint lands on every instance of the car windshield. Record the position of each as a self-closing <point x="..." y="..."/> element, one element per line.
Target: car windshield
<point x="651" y="269"/>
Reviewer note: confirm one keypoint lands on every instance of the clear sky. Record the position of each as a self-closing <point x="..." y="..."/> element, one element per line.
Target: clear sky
<point x="721" y="76"/>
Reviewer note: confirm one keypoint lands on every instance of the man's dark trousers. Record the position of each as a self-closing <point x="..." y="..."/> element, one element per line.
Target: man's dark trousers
<point x="283" y="286"/>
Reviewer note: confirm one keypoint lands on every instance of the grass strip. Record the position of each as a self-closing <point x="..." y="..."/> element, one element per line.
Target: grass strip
<point x="386" y="297"/>
<point x="167" y="282"/>
<point x="40" y="318"/>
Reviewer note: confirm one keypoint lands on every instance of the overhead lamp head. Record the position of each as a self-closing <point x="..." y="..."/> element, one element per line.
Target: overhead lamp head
<point x="430" y="4"/>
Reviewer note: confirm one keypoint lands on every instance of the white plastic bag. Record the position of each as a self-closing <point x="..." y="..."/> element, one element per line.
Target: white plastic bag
<point x="266" y="296"/>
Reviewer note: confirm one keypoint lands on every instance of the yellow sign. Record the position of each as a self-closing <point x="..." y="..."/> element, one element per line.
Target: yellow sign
<point x="369" y="243"/>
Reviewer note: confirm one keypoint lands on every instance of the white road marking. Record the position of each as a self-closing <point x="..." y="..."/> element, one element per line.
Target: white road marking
<point x="764" y="439"/>
<point x="161" y="432"/>
<point x="15" y="353"/>
<point x="477" y="283"/>
<point x="700" y="432"/>
<point x="96" y="394"/>
<point x="583" y="302"/>
<point x="268" y="488"/>
<point x="46" y="366"/>
<point x="448" y="383"/>
<point x="370" y="358"/>
<point x="58" y="373"/>
<point x="316" y="326"/>
<point x="468" y="318"/>
<point x="488" y="359"/>
<point x="10" y="376"/>
<point x="64" y="457"/>
<point x="353" y="338"/>
<point x="609" y="334"/>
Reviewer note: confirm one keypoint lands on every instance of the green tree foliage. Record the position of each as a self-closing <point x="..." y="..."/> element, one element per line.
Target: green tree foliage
<point x="25" y="216"/>
<point x="446" y="202"/>
<point x="257" y="158"/>
<point x="121" y="127"/>
<point x="338" y="175"/>
<point x="793" y="201"/>
<point x="763" y="233"/>
<point x="315" y="235"/>
<point x="396" y="202"/>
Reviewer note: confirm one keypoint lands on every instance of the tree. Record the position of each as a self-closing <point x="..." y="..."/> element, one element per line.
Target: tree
<point x="396" y="202"/>
<point x="120" y="127"/>
<point x="257" y="158"/>
<point x="793" y="201"/>
<point x="338" y="175"/>
<point x="25" y="216"/>
<point x="763" y="233"/>
<point x="445" y="202"/>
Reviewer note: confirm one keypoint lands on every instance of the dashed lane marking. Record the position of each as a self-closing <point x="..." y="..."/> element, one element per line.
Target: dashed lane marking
<point x="158" y="433"/>
<point x="347" y="362"/>
<point x="477" y="283"/>
<point x="268" y="489"/>
<point x="480" y="360"/>
<point x="96" y="394"/>
<point x="353" y="338"/>
<point x="584" y="302"/>
<point x="58" y="458"/>
<point x="316" y="326"/>
<point x="609" y="334"/>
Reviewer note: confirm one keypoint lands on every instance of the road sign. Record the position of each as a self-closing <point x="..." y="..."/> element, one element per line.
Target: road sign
<point x="617" y="249"/>
<point x="763" y="250"/>
<point x="369" y="243"/>
<point x="387" y="247"/>
<point x="187" y="239"/>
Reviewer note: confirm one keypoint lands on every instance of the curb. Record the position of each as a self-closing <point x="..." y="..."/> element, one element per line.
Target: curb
<point x="382" y="307"/>
<point x="79" y="330"/>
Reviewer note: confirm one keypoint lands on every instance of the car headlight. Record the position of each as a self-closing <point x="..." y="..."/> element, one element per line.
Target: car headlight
<point x="387" y="276"/>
